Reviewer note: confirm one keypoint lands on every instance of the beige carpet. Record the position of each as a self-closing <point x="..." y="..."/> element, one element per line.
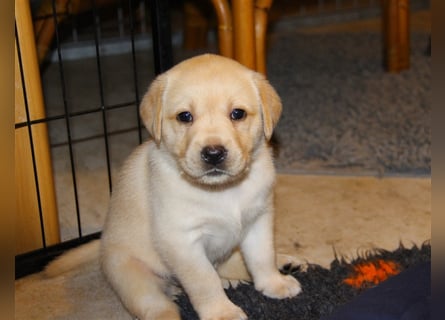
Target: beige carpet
<point x="315" y="216"/>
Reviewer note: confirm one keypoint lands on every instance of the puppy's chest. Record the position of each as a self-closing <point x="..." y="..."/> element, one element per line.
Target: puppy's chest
<point x="222" y="227"/>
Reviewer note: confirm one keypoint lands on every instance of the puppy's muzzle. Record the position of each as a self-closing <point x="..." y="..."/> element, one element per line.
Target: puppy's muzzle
<point x="214" y="155"/>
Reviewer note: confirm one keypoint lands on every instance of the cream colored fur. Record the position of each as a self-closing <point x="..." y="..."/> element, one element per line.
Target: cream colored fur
<point x="176" y="217"/>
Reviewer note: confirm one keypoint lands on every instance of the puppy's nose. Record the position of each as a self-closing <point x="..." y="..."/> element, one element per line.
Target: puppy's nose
<point x="213" y="154"/>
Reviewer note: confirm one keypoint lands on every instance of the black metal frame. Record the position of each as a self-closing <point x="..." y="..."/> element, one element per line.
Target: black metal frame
<point x="35" y="261"/>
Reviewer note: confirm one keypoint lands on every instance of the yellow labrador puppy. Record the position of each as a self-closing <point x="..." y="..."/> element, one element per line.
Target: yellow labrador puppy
<point x="201" y="189"/>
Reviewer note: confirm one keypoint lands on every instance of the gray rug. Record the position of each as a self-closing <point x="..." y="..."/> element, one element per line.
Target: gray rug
<point x="343" y="112"/>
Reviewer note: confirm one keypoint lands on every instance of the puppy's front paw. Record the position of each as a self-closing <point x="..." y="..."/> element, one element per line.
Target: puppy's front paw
<point x="289" y="263"/>
<point x="279" y="287"/>
<point x="223" y="311"/>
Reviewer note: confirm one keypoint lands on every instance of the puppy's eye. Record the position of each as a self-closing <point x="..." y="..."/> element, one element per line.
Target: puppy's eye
<point x="238" y="114"/>
<point x="185" y="117"/>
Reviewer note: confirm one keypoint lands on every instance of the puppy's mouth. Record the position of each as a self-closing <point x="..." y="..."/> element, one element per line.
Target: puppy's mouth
<point x="215" y="176"/>
<point x="215" y="166"/>
<point x="215" y="172"/>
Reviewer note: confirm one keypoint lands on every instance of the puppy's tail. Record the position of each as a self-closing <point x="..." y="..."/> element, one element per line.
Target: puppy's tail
<point x="73" y="259"/>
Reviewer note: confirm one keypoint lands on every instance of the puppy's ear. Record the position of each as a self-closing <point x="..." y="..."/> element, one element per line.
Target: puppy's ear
<point x="151" y="108"/>
<point x="270" y="104"/>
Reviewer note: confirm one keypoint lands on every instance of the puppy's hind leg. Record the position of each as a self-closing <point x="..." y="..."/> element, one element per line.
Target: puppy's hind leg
<point x="141" y="291"/>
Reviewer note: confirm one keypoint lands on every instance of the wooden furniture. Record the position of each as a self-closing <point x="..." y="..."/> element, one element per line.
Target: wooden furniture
<point x="242" y="26"/>
<point x="196" y="23"/>
<point x="242" y="31"/>
<point x="36" y="217"/>
<point x="395" y="29"/>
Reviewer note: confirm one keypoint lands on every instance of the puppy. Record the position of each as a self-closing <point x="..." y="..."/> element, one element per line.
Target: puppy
<point x="187" y="201"/>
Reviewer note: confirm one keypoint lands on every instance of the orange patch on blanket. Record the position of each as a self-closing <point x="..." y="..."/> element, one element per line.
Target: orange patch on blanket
<point x="374" y="272"/>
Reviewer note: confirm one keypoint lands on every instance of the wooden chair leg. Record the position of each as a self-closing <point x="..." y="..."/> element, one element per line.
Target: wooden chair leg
<point x="261" y="10"/>
<point x="242" y="31"/>
<point x="195" y="24"/>
<point x="225" y="28"/>
<point x="244" y="35"/>
<point x="395" y="22"/>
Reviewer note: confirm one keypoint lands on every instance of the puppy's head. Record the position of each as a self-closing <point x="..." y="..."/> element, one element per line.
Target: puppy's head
<point x="211" y="114"/>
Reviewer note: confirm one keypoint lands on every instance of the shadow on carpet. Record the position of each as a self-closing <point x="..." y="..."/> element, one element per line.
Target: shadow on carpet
<point x="324" y="290"/>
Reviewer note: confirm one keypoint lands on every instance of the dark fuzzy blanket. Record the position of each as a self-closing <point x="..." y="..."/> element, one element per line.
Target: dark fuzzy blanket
<point x="323" y="289"/>
<point x="342" y="111"/>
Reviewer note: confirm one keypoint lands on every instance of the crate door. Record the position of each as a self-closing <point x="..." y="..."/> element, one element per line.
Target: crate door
<point x="36" y="211"/>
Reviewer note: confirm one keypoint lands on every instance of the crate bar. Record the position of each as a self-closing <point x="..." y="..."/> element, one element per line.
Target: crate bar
<point x="162" y="40"/>
<point x="135" y="74"/>
<point x="101" y="92"/>
<point x="74" y="114"/>
<point x="120" y="20"/>
<point x="67" y="118"/>
<point x="31" y="143"/>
